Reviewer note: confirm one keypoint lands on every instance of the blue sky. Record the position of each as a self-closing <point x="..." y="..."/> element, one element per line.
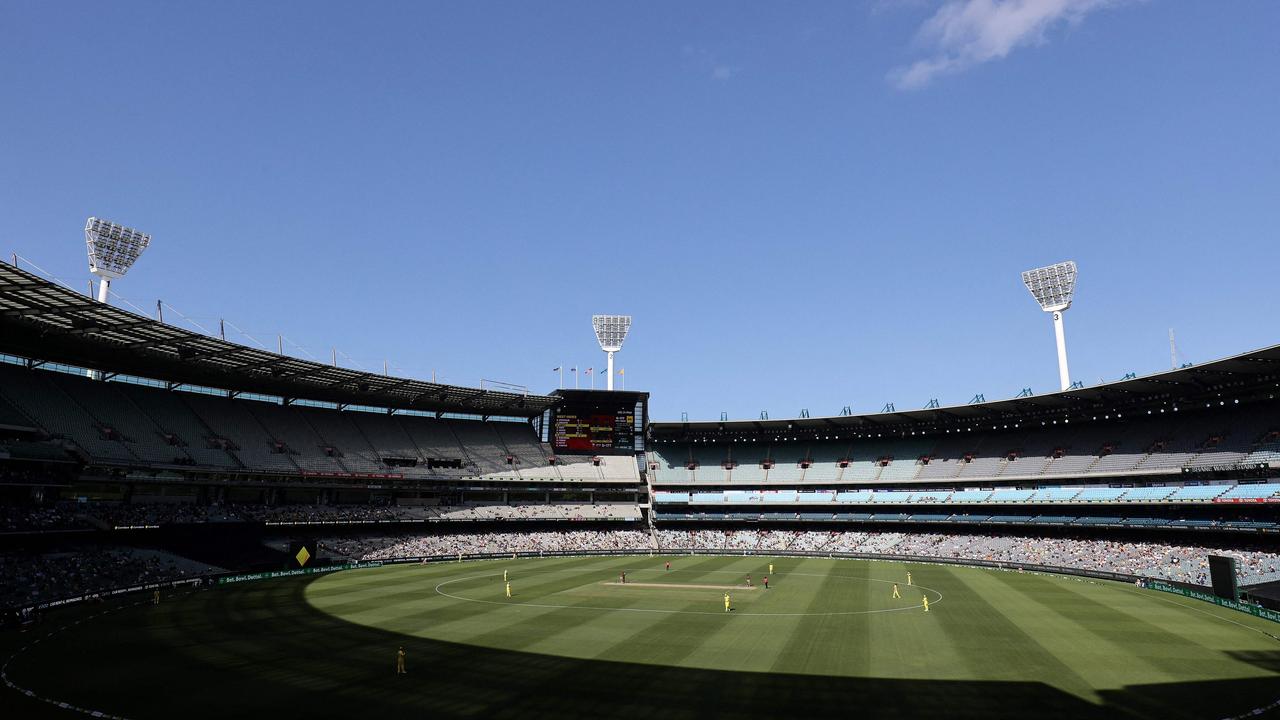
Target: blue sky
<point x="811" y="206"/>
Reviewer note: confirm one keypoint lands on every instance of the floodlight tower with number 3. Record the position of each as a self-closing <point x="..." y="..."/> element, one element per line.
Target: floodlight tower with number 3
<point x="1053" y="287"/>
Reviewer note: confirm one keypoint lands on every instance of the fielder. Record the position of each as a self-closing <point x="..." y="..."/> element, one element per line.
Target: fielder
<point x="508" y="589"/>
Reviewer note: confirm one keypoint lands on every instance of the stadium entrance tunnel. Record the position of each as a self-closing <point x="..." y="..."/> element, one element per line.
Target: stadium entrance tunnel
<point x="264" y="648"/>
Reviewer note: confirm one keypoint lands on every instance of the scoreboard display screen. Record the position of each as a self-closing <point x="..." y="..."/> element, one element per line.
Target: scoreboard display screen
<point x="597" y="425"/>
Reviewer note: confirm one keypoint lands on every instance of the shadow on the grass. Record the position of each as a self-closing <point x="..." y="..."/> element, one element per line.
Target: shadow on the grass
<point x="225" y="652"/>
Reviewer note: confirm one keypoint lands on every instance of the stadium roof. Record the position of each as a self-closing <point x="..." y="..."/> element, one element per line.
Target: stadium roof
<point x="1240" y="376"/>
<point x="47" y="322"/>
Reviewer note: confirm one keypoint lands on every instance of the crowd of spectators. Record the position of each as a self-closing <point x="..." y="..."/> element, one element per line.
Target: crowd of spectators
<point x="107" y="514"/>
<point x="37" y="578"/>
<point x="413" y="546"/>
<point x="40" y="518"/>
<point x="543" y="511"/>
<point x="328" y="513"/>
<point x="114" y="514"/>
<point x="1181" y="563"/>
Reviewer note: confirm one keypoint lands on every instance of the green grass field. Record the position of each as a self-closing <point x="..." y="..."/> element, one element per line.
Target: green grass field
<point x="826" y="639"/>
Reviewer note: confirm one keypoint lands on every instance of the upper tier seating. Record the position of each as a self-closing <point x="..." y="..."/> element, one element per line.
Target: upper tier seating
<point x="1111" y="447"/>
<point x="130" y="424"/>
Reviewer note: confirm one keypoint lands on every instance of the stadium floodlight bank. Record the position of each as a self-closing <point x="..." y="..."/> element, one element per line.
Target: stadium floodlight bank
<point x="113" y="249"/>
<point x="611" y="331"/>
<point x="1053" y="287"/>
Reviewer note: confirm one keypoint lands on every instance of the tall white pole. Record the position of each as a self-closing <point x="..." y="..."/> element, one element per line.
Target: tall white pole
<point x="1063" y="376"/>
<point x="103" y="285"/>
<point x="610" y="371"/>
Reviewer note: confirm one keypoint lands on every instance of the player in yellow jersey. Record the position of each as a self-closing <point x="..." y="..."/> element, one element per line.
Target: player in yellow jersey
<point x="926" y="602"/>
<point x="895" y="591"/>
<point x="770" y="568"/>
<point x="726" y="602"/>
<point x="908" y="577"/>
<point x="508" y="589"/>
<point x="400" y="661"/>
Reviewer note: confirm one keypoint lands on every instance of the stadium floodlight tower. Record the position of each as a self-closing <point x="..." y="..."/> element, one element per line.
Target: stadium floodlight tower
<point x="113" y="249"/>
<point x="1053" y="287"/>
<point x="611" y="330"/>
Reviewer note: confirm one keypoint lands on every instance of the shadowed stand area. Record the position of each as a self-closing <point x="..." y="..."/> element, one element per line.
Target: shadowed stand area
<point x="261" y="650"/>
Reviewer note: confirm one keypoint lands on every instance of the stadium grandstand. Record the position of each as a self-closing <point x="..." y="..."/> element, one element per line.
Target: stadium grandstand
<point x="136" y="456"/>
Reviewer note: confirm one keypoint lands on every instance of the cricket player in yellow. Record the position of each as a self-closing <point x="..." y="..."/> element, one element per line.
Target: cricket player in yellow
<point x="726" y="602"/>
<point x="908" y="577"/>
<point x="770" y="568"/>
<point x="400" y="661"/>
<point x="895" y="591"/>
<point x="508" y="589"/>
<point x="926" y="602"/>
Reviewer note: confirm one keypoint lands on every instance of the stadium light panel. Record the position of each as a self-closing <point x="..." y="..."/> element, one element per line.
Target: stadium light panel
<point x="1054" y="287"/>
<point x="611" y="331"/>
<point x="113" y="249"/>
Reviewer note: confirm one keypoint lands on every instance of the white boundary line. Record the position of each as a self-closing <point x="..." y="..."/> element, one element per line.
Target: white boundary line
<point x="4" y="670"/>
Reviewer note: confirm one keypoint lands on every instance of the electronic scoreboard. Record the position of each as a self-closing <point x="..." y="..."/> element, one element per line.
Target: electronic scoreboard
<point x="597" y="422"/>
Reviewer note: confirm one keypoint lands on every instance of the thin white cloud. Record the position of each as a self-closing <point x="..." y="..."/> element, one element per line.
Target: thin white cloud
<point x="706" y="62"/>
<point x="723" y="72"/>
<point x="965" y="33"/>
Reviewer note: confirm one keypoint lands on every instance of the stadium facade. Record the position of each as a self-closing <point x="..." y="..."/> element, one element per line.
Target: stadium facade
<point x="122" y="430"/>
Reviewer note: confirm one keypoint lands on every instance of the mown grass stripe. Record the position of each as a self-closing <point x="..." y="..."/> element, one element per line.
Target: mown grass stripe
<point x="1000" y="634"/>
